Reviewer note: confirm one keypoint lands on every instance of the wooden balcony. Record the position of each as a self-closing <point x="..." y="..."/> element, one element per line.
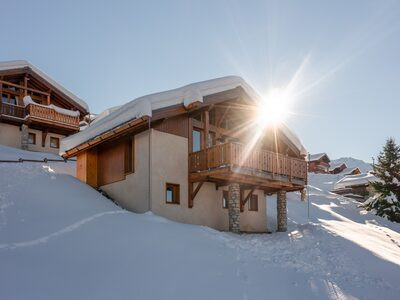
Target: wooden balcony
<point x="39" y="114"/>
<point x="256" y="167"/>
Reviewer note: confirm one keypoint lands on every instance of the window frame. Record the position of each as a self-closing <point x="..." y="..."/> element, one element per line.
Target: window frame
<point x="175" y="193"/>
<point x="225" y="196"/>
<point x="58" y="142"/>
<point x="201" y="146"/>
<point x="250" y="206"/>
<point x="34" y="138"/>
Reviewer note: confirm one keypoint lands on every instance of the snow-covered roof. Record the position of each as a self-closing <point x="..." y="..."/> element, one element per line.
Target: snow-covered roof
<point x="333" y="167"/>
<point x="317" y="156"/>
<point x="145" y="105"/>
<point x="19" y="64"/>
<point x="352" y="180"/>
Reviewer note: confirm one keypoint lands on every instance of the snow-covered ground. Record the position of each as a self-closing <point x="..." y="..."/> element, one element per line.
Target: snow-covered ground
<point x="60" y="239"/>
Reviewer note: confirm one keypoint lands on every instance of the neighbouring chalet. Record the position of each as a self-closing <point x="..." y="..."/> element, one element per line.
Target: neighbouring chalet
<point x="35" y="111"/>
<point x="355" y="186"/>
<point x="336" y="169"/>
<point x="195" y="154"/>
<point x="319" y="163"/>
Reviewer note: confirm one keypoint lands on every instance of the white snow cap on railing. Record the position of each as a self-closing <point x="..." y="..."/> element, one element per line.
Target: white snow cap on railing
<point x="145" y="105"/>
<point x="28" y="100"/>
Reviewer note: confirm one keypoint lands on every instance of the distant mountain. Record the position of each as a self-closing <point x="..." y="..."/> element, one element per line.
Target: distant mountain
<point x="353" y="163"/>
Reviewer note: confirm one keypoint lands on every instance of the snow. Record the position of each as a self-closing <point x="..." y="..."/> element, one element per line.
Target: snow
<point x="19" y="64"/>
<point x="145" y="105"/>
<point x="60" y="239"/>
<point x="352" y="180"/>
<point x="28" y="100"/>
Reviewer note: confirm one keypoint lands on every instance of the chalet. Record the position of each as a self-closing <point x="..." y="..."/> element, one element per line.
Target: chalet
<point x="196" y="154"/>
<point x="319" y="163"/>
<point x="35" y="111"/>
<point x="355" y="186"/>
<point x="354" y="171"/>
<point x="336" y="169"/>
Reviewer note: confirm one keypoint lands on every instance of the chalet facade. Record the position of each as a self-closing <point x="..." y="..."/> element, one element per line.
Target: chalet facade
<point x="35" y="111"/>
<point x="319" y="163"/>
<point x="185" y="154"/>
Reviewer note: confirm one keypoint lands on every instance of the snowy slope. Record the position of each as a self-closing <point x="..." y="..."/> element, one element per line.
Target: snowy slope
<point x="60" y="239"/>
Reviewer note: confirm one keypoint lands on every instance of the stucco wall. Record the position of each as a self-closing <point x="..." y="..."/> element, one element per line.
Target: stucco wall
<point x="133" y="192"/>
<point x="38" y="145"/>
<point x="169" y="163"/>
<point x="10" y="135"/>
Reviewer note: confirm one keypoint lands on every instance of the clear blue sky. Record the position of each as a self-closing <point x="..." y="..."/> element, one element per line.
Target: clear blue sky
<point x="109" y="52"/>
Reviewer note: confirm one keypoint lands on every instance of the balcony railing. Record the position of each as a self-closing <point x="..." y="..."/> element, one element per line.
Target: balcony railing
<point x="38" y="112"/>
<point x="236" y="155"/>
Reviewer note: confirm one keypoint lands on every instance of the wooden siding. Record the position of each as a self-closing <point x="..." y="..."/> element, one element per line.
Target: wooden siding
<point x="177" y="125"/>
<point x="111" y="166"/>
<point x="86" y="167"/>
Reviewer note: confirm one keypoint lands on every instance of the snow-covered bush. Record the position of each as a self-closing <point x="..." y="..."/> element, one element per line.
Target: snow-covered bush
<point x="386" y="201"/>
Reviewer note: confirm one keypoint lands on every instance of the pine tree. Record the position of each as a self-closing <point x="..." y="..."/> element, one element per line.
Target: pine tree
<point x="386" y="201"/>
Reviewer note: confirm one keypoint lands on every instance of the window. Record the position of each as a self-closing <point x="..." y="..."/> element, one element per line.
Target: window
<point x="225" y="199"/>
<point x="253" y="203"/>
<point x="31" y="138"/>
<point x="4" y="98"/>
<point x="54" y="142"/>
<point x="196" y="139"/>
<point x="130" y="156"/>
<point x="172" y="193"/>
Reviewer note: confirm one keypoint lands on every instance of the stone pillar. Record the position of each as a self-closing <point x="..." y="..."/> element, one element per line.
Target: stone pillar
<point x="281" y="210"/>
<point x="234" y="207"/>
<point x="24" y="137"/>
<point x="303" y="194"/>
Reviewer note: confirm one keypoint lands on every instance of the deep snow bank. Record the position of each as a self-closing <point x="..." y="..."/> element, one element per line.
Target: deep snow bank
<point x="60" y="239"/>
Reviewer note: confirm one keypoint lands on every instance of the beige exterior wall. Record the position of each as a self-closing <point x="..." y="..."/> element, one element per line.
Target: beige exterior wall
<point x="169" y="164"/>
<point x="133" y="192"/>
<point x="10" y="135"/>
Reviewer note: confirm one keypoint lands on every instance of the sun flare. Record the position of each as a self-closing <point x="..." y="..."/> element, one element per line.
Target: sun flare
<point x="274" y="108"/>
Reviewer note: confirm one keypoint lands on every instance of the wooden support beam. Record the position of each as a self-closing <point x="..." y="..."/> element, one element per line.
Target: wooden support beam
<point x="206" y="121"/>
<point x="44" y="135"/>
<point x="244" y="201"/>
<point x="192" y="194"/>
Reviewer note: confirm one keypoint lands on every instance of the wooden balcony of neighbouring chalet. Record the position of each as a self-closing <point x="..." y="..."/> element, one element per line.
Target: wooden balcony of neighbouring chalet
<point x="39" y="115"/>
<point x="36" y="114"/>
<point x="231" y="162"/>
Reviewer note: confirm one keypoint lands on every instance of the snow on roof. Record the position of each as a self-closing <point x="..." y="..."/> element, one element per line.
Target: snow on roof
<point x="314" y="157"/>
<point x="352" y="180"/>
<point x="337" y="166"/>
<point x="18" y="64"/>
<point x="144" y="106"/>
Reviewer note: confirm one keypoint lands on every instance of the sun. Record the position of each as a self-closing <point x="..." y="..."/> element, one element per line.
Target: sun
<point x="273" y="108"/>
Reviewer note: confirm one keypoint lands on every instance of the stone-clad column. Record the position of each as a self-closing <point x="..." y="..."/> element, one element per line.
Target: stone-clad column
<point x="282" y="211"/>
<point x="24" y="137"/>
<point x="303" y="194"/>
<point x="234" y="207"/>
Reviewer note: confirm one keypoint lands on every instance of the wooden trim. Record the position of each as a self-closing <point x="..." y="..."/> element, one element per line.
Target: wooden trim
<point x="24" y="88"/>
<point x="175" y="193"/>
<point x="106" y="136"/>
